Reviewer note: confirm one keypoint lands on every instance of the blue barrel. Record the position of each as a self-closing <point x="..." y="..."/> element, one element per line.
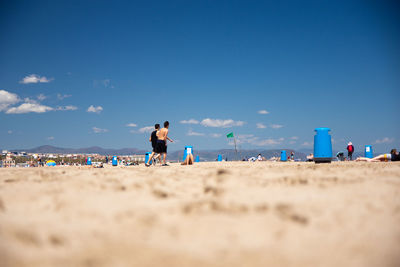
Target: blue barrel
<point x="219" y="158"/>
<point x="146" y="158"/>
<point x="322" y="145"/>
<point x="114" y="161"/>
<point x="89" y="161"/>
<point x="368" y="152"/>
<point x="188" y="150"/>
<point x="283" y="155"/>
<point x="197" y="159"/>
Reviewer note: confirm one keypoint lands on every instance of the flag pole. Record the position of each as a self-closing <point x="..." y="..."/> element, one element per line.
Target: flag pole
<point x="234" y="140"/>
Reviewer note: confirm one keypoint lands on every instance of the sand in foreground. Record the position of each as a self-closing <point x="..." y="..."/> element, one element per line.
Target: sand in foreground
<point x="214" y="214"/>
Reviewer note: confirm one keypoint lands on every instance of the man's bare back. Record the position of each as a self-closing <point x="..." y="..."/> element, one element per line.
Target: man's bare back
<point x="162" y="134"/>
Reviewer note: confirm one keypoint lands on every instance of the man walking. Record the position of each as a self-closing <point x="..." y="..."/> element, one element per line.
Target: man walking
<point x="350" y="150"/>
<point x="161" y="146"/>
<point x="153" y="139"/>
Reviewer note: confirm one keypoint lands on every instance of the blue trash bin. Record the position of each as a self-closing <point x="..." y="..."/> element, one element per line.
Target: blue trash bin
<point x="188" y="150"/>
<point x="89" y="161"/>
<point x="114" y="161"/>
<point x="146" y="158"/>
<point x="368" y="152"/>
<point x="197" y="159"/>
<point x="283" y="155"/>
<point x="322" y="145"/>
<point x="219" y="158"/>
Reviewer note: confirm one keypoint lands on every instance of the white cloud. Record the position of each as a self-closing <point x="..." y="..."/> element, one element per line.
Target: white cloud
<point x="99" y="130"/>
<point x="191" y="133"/>
<point x="33" y="78"/>
<point x="9" y="132"/>
<point x="147" y="129"/>
<point x="269" y="142"/>
<point x="261" y="126"/>
<point x="294" y="138"/>
<point x="256" y="141"/>
<point x="307" y="144"/>
<point x="276" y="126"/>
<point x="215" y="135"/>
<point x="29" y="107"/>
<point x="50" y="138"/>
<point x="263" y="111"/>
<point x="7" y="99"/>
<point x="131" y="124"/>
<point x="221" y="123"/>
<point x="191" y="121"/>
<point x="61" y="97"/>
<point x="105" y="83"/>
<point x="385" y="140"/>
<point x="94" y="109"/>
<point x="244" y="139"/>
<point x="66" y="108"/>
<point x="41" y="97"/>
<point x="29" y="100"/>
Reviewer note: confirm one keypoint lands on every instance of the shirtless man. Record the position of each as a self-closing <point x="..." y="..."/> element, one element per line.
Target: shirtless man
<point x="161" y="146"/>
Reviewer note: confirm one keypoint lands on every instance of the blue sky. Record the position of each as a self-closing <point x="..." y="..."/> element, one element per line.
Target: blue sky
<point x="85" y="73"/>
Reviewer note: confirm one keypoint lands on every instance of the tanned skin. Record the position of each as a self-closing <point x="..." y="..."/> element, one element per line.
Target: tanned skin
<point x="163" y="135"/>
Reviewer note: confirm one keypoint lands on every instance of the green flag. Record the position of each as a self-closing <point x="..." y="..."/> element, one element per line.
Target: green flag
<point x="229" y="135"/>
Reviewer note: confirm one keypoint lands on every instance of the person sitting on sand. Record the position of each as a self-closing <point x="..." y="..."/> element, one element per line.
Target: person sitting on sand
<point x="252" y="159"/>
<point x="393" y="156"/>
<point x="340" y="156"/>
<point x="188" y="160"/>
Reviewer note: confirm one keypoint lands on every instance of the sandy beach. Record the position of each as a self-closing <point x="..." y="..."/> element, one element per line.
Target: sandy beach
<point x="209" y="214"/>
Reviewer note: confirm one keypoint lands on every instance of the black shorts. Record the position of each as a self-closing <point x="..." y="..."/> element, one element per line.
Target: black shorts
<point x="161" y="147"/>
<point x="154" y="149"/>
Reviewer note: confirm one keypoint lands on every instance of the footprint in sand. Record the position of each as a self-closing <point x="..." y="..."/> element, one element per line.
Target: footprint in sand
<point x="286" y="212"/>
<point x="56" y="240"/>
<point x="28" y="238"/>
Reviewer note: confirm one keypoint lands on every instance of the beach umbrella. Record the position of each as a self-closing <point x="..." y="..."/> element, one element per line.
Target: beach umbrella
<point x="50" y="163"/>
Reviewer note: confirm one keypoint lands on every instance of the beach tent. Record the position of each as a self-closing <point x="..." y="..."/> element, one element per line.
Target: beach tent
<point x="50" y="163"/>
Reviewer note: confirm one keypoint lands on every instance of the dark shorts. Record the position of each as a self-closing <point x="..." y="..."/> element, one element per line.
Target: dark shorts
<point x="161" y="147"/>
<point x="154" y="149"/>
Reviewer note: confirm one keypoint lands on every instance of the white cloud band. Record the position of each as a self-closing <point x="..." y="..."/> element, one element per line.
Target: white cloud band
<point x="221" y="123"/>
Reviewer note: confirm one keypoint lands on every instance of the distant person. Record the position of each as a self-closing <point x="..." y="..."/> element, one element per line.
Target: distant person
<point x="393" y="156"/>
<point x="259" y="157"/>
<point x="252" y="159"/>
<point x="310" y="157"/>
<point x="292" y="156"/>
<point x="340" y="156"/>
<point x="153" y="139"/>
<point x="350" y="150"/>
<point x="188" y="160"/>
<point x="161" y="146"/>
